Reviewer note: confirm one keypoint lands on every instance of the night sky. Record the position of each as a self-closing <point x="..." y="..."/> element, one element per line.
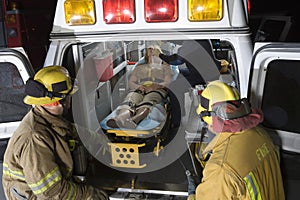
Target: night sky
<point x="283" y="8"/>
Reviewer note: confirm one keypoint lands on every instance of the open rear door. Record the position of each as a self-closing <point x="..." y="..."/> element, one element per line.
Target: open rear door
<point x="15" y="69"/>
<point x="275" y="88"/>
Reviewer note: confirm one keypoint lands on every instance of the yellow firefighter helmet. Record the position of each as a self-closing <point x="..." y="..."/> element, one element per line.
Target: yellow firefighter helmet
<point x="50" y="84"/>
<point x="215" y="92"/>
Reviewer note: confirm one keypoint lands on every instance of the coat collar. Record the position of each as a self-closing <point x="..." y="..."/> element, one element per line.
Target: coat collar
<point x="216" y="141"/>
<point x="61" y="125"/>
<point x="239" y="124"/>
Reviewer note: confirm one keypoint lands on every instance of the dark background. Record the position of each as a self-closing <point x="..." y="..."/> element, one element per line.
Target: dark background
<point x="283" y="9"/>
<point x="35" y="23"/>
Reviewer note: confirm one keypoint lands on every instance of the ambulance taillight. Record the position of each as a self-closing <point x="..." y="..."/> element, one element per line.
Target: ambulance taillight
<point x="204" y="10"/>
<point x="118" y="11"/>
<point x="249" y="7"/>
<point x="80" y="12"/>
<point x="161" y="10"/>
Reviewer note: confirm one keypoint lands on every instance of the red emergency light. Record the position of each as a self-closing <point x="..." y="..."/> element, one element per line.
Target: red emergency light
<point x="161" y="10"/>
<point x="249" y="6"/>
<point x="118" y="11"/>
<point x="13" y="27"/>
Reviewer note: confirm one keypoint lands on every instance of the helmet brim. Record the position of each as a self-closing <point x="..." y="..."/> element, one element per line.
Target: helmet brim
<point x="39" y="101"/>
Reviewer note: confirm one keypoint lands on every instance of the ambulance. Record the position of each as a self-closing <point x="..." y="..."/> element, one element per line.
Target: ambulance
<point x="101" y="42"/>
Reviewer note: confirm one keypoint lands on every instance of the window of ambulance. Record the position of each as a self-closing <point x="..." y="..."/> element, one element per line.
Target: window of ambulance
<point x="12" y="92"/>
<point x="281" y="98"/>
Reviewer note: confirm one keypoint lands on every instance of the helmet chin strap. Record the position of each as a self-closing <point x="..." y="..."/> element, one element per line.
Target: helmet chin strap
<point x="204" y="125"/>
<point x="66" y="109"/>
<point x="66" y="112"/>
<point x="203" y="134"/>
<point x="206" y="113"/>
<point x="204" y="130"/>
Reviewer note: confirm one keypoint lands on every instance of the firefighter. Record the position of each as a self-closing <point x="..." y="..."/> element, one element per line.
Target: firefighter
<point x="148" y="83"/>
<point x="38" y="162"/>
<point x="240" y="162"/>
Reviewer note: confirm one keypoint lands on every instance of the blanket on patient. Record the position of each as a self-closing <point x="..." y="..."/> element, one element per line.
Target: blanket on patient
<point x="157" y="116"/>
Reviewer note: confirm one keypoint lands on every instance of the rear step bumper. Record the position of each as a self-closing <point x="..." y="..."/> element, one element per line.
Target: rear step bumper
<point x="127" y="193"/>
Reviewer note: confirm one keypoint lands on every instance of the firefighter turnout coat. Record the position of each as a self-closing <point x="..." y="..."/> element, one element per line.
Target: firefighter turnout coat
<point x="38" y="163"/>
<point x="243" y="165"/>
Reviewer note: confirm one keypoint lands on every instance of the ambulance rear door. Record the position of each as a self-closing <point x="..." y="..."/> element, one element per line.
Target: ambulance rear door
<point x="275" y="88"/>
<point x="15" y="69"/>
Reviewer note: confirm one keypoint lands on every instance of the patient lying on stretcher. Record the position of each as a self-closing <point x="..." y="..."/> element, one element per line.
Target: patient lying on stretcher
<point x="148" y="86"/>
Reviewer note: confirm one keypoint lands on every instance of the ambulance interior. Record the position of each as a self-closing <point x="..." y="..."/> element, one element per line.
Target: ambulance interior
<point x="141" y="157"/>
<point x="110" y="63"/>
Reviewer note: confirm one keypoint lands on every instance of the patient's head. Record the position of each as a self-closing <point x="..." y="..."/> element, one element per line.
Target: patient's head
<point x="152" y="54"/>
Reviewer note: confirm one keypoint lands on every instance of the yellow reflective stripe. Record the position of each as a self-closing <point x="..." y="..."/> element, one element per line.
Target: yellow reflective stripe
<point x="72" y="192"/>
<point x="13" y="173"/>
<point x="42" y="185"/>
<point x="252" y="187"/>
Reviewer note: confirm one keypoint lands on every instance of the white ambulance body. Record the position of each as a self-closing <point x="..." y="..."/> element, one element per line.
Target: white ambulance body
<point x="100" y="42"/>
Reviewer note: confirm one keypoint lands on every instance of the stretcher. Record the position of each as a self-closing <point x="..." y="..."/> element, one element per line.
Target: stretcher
<point x="127" y="144"/>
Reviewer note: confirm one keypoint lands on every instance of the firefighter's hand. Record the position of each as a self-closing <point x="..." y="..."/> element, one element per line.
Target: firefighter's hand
<point x="224" y="63"/>
<point x="156" y="52"/>
<point x="97" y="194"/>
<point x="154" y="87"/>
<point x="191" y="197"/>
<point x="142" y="88"/>
<point x="224" y="66"/>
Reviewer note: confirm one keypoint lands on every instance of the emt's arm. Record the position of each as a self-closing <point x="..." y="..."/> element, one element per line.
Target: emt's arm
<point x="218" y="183"/>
